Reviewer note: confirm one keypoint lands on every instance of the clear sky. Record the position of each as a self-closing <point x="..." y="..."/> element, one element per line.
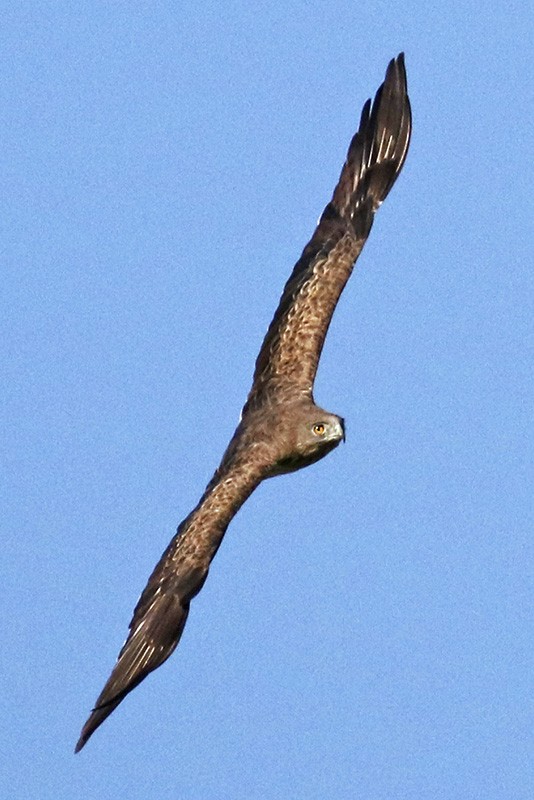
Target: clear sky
<point x="366" y="629"/>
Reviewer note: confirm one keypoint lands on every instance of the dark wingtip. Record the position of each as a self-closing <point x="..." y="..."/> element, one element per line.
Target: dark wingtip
<point x="377" y="151"/>
<point x="154" y="634"/>
<point x="396" y="69"/>
<point x="95" y="720"/>
<point x="82" y="740"/>
<point x="397" y="61"/>
<point x="87" y="731"/>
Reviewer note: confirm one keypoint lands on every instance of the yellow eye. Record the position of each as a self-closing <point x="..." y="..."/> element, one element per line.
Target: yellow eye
<point x="319" y="429"/>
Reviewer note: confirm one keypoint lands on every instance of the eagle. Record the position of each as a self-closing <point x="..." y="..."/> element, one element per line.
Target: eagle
<point x="281" y="429"/>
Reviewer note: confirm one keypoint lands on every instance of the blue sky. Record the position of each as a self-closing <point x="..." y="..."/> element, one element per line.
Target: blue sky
<point x="366" y="629"/>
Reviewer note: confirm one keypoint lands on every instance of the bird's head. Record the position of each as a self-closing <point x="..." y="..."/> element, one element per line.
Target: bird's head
<point x="307" y="434"/>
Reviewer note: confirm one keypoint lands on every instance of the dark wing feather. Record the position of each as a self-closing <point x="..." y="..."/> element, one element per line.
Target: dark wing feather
<point x="161" y="613"/>
<point x="152" y="639"/>
<point x="291" y="349"/>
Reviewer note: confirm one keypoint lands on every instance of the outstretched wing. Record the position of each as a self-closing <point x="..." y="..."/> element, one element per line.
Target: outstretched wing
<point x="291" y="349"/>
<point x="161" y="613"/>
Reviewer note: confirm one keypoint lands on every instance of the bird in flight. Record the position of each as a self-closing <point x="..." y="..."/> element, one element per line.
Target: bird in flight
<point x="281" y="428"/>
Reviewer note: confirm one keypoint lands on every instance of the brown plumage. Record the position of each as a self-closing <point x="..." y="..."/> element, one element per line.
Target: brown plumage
<point x="281" y="428"/>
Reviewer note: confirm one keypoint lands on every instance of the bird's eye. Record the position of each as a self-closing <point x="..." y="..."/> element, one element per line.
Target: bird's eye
<point x="319" y="429"/>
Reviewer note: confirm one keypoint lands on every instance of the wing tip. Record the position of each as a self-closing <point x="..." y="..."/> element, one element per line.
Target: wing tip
<point x="86" y="733"/>
<point x="379" y="147"/>
<point x="97" y="716"/>
<point x="397" y="65"/>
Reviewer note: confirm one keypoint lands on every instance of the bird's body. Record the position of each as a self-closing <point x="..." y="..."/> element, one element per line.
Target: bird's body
<point x="281" y="428"/>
